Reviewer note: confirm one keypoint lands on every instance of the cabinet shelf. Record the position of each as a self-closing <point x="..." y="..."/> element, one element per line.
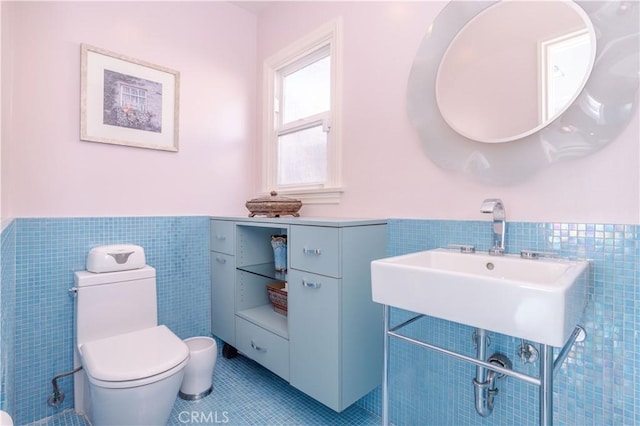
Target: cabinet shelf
<point x="266" y="270"/>
<point x="265" y="317"/>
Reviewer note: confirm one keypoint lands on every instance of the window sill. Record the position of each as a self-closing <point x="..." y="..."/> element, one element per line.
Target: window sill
<point x="314" y="196"/>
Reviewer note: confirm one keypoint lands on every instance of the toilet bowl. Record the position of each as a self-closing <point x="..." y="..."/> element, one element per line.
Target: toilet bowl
<point x="132" y="367"/>
<point x="138" y="372"/>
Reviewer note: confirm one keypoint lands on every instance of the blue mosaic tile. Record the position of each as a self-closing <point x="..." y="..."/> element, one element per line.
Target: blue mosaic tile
<point x="599" y="383"/>
<point x="7" y="317"/>
<point x="65" y="418"/>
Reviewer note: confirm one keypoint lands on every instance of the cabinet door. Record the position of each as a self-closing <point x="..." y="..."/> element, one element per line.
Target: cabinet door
<point x="314" y="336"/>
<point x="223" y="273"/>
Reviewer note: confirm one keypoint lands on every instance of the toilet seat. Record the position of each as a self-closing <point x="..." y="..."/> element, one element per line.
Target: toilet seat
<point x="134" y="359"/>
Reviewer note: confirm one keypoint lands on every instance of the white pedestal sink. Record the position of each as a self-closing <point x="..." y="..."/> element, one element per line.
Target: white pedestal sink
<point x="540" y="300"/>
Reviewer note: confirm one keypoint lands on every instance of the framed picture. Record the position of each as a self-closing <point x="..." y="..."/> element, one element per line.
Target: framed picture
<point x="126" y="101"/>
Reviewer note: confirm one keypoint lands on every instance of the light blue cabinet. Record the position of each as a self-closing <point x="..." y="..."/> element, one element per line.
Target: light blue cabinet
<point x="330" y="343"/>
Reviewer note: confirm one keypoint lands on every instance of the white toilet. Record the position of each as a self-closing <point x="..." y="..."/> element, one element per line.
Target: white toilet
<point x="132" y="367"/>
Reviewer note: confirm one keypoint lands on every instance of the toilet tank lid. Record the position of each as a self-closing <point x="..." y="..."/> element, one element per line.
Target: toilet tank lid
<point x="85" y="278"/>
<point x="133" y="356"/>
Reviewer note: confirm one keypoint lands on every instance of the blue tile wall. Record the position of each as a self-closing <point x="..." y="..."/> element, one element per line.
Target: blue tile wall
<point x="48" y="251"/>
<point x="599" y="383"/>
<point x="7" y="317"/>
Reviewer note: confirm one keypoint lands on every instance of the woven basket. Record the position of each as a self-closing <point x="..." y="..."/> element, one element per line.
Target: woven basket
<point x="278" y="297"/>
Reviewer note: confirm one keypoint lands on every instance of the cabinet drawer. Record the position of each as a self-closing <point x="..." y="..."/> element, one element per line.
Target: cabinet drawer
<point x="263" y="347"/>
<point x="316" y="249"/>
<point x="222" y="236"/>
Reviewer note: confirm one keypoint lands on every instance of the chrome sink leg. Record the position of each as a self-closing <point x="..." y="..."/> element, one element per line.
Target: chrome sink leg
<point x="546" y="385"/>
<point x="385" y="369"/>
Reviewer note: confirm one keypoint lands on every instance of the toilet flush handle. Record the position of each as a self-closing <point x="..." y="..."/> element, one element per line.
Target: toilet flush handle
<point x="120" y="258"/>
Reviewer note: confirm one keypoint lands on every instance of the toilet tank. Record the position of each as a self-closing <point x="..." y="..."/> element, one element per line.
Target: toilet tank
<point x="113" y="303"/>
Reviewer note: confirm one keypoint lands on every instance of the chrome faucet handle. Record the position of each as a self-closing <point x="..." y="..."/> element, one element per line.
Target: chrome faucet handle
<point x="462" y="248"/>
<point x="533" y="254"/>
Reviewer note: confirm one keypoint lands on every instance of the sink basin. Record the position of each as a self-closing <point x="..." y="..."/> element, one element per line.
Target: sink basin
<point x="540" y="300"/>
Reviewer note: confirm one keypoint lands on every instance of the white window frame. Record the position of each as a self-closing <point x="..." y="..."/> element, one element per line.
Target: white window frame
<point x="329" y="192"/>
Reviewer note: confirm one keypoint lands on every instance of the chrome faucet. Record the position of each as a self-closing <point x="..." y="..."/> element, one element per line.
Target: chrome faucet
<point x="495" y="206"/>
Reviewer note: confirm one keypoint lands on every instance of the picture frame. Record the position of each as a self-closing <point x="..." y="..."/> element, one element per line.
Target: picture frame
<point x="126" y="101"/>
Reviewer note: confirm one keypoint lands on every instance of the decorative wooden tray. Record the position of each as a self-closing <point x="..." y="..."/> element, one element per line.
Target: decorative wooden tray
<point x="274" y="206"/>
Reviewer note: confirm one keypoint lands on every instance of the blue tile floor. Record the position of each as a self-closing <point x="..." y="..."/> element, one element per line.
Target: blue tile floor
<point x="244" y="393"/>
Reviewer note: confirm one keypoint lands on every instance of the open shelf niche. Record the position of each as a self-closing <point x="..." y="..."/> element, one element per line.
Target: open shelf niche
<point x="255" y="268"/>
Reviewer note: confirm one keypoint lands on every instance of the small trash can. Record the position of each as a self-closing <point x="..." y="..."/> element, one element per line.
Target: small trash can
<point x="198" y="374"/>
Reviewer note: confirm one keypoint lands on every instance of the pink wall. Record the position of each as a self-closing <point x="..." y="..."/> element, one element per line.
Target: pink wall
<point x="217" y="47"/>
<point x="47" y="171"/>
<point x="386" y="172"/>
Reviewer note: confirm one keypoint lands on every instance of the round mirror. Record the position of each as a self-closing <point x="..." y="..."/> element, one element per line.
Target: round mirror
<point x="591" y="115"/>
<point x="515" y="67"/>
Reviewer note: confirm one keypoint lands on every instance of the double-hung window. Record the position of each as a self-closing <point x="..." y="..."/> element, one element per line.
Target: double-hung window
<point x="301" y="135"/>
